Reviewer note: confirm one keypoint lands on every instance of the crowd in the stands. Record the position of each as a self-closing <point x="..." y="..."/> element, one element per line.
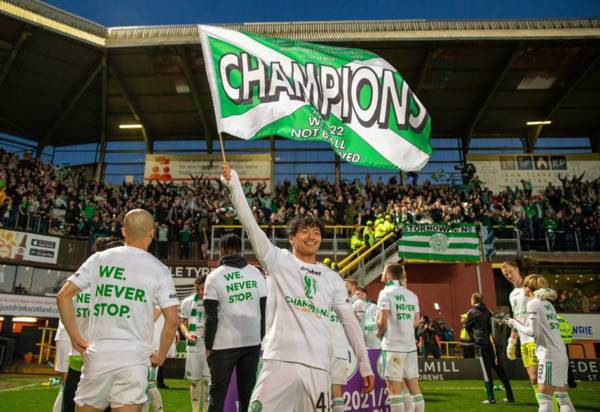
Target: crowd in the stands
<point x="37" y="196"/>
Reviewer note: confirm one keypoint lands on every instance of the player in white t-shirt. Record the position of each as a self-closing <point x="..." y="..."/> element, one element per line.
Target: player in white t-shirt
<point x="398" y="317"/>
<point x="124" y="284"/>
<point x="542" y="325"/>
<point x="304" y="296"/>
<point x="235" y="299"/>
<point x="81" y="306"/>
<point x="192" y="324"/>
<point x="360" y="305"/>
<point x="61" y="361"/>
<point x="518" y="304"/>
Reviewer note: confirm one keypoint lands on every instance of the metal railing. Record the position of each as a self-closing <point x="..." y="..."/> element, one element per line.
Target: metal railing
<point x="551" y="241"/>
<point x="46" y="344"/>
<point x="370" y="261"/>
<point x="336" y="245"/>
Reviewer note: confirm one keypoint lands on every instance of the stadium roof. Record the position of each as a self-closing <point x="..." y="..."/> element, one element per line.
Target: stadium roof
<point x="66" y="80"/>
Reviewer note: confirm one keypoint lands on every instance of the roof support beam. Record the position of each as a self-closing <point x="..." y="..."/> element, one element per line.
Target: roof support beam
<point x="572" y="85"/>
<point x="531" y="136"/>
<point x="184" y="62"/>
<point x="132" y="106"/>
<point x="70" y="105"/>
<point x="466" y="139"/>
<point x="104" y="98"/>
<point x="26" y="133"/>
<point x="13" y="55"/>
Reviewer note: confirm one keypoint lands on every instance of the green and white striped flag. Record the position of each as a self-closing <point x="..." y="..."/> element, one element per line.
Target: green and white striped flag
<point x="448" y="243"/>
<point x="350" y="98"/>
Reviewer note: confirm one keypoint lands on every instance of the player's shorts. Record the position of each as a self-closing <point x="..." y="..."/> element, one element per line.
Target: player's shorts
<point x="398" y="366"/>
<point x="553" y="371"/>
<point x="126" y="386"/>
<point x="196" y="366"/>
<point x="291" y="387"/>
<point x="339" y="371"/>
<point x="528" y="354"/>
<point x="61" y="363"/>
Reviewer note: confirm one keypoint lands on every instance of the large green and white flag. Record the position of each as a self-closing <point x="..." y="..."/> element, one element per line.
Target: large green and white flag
<point x="350" y="98"/>
<point x="448" y="243"/>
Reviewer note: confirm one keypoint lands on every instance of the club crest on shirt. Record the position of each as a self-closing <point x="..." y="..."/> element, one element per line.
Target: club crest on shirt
<point x="310" y="287"/>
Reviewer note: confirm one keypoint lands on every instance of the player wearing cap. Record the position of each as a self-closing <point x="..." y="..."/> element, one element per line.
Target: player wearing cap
<point x="304" y="296"/>
<point x="398" y="317"/>
<point x="124" y="282"/>
<point x="193" y="320"/>
<point x="542" y="325"/>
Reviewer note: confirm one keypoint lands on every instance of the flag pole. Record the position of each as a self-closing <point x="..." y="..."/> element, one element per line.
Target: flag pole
<point x="222" y="148"/>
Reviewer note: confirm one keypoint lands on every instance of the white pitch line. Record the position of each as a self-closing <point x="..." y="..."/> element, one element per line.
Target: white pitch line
<point x="18" y="388"/>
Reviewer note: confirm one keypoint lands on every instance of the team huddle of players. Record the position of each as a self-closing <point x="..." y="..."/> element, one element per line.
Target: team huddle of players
<point x="311" y="325"/>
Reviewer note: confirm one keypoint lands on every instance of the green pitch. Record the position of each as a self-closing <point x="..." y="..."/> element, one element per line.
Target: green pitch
<point x="28" y="393"/>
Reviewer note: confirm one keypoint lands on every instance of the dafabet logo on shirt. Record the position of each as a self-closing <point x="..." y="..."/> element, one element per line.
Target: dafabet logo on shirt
<point x="310" y="287"/>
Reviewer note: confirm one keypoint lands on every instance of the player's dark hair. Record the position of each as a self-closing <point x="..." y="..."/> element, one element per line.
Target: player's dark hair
<point x="104" y="243"/>
<point x="231" y="243"/>
<point x="300" y="222"/>
<point x="511" y="263"/>
<point x="395" y="270"/>
<point x="200" y="279"/>
<point x="476" y="298"/>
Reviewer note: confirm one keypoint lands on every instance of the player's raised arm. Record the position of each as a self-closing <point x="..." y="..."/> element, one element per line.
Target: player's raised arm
<point x="259" y="240"/>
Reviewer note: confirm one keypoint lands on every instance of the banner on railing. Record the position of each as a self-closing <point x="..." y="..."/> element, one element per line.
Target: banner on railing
<point x="30" y="247"/>
<point x="525" y="171"/>
<point x="440" y="242"/>
<point x="186" y="168"/>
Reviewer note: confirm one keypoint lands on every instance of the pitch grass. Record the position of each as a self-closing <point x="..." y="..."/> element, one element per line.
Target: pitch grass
<point x="28" y="394"/>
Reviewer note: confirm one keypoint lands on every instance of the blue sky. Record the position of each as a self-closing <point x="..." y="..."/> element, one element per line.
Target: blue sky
<point x="153" y="12"/>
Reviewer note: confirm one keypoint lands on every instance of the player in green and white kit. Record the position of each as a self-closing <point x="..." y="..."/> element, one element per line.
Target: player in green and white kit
<point x="542" y="325"/>
<point x="192" y="325"/>
<point x="303" y="295"/>
<point x="398" y="317"/>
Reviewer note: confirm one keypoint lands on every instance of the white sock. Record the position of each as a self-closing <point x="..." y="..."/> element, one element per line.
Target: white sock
<point x="418" y="402"/>
<point x="545" y="402"/>
<point x="146" y="406"/>
<point x="58" y="402"/>
<point x="155" y="399"/>
<point x="396" y="403"/>
<point x="204" y="385"/>
<point x="338" y="405"/>
<point x="195" y="396"/>
<point x="408" y="402"/>
<point x="564" y="402"/>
